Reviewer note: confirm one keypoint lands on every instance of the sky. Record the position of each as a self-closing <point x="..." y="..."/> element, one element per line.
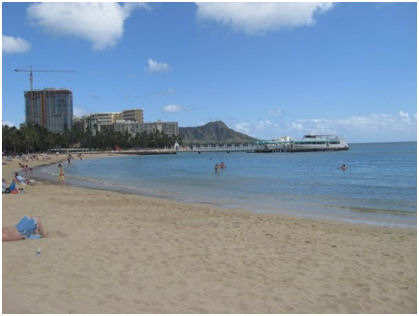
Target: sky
<point x="265" y="69"/>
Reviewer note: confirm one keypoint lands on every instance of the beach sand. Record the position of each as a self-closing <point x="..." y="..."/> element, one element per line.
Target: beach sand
<point x="109" y="252"/>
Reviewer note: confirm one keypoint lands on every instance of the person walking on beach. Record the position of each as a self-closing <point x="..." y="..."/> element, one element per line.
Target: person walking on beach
<point x="60" y="174"/>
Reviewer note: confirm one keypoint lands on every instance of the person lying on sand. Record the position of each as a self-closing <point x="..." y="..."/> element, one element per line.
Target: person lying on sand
<point x="23" y="180"/>
<point x="19" y="178"/>
<point x="27" y="228"/>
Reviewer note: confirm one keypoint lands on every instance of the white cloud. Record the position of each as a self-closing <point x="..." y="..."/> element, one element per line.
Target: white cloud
<point x="296" y="126"/>
<point x="366" y="124"/>
<point x="253" y="18"/>
<point x="79" y="112"/>
<point x="102" y="23"/>
<point x="404" y="116"/>
<point x="155" y="66"/>
<point x="15" y="44"/>
<point x="173" y="108"/>
<point x="367" y="128"/>
<point x="262" y="124"/>
<point x="8" y="123"/>
<point x="242" y="127"/>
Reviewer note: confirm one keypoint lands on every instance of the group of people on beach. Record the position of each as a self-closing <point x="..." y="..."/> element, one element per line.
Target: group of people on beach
<point x="11" y="188"/>
<point x="219" y="166"/>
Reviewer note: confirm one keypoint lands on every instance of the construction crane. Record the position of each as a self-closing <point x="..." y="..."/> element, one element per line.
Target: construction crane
<point x="31" y="71"/>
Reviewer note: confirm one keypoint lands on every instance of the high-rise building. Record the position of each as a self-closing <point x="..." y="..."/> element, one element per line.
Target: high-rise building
<point x="50" y="108"/>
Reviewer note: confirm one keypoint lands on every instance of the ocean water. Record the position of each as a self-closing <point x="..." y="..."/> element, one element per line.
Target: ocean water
<point x="379" y="188"/>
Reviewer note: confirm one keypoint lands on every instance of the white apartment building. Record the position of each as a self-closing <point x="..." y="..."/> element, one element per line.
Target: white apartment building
<point x="97" y="122"/>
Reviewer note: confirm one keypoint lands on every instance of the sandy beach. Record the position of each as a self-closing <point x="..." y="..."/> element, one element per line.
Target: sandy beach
<point x="110" y="252"/>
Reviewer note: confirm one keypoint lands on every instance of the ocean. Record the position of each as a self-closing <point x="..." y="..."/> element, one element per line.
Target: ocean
<point x="378" y="188"/>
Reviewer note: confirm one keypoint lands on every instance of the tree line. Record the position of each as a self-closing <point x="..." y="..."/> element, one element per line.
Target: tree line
<point x="34" y="138"/>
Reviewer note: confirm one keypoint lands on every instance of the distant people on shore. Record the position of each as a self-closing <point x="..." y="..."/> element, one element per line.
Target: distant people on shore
<point x="60" y="174"/>
<point x="27" y="228"/>
<point x="343" y="167"/>
<point x="80" y="157"/>
<point x="69" y="157"/>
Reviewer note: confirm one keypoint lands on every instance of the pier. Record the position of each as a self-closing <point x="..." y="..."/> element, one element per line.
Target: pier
<point x="258" y="147"/>
<point x="219" y="148"/>
<point x="268" y="146"/>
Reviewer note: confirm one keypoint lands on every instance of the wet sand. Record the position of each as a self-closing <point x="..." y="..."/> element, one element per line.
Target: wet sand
<point x="109" y="252"/>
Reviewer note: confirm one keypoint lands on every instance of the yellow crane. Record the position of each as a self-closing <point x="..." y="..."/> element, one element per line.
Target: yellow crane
<point x="31" y="71"/>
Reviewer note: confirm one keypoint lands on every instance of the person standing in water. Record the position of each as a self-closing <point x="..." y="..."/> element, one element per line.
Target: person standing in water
<point x="60" y="174"/>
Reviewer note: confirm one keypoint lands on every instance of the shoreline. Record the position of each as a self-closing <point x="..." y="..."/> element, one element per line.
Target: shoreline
<point x="300" y="211"/>
<point x="110" y="252"/>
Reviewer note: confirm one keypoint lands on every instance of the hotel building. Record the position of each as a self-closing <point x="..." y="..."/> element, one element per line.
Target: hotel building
<point x="131" y="121"/>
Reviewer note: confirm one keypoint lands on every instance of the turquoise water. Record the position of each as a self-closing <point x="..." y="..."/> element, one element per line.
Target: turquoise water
<point x="379" y="188"/>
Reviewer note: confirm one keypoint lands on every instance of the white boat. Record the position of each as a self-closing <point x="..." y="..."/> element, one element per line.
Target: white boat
<point x="319" y="143"/>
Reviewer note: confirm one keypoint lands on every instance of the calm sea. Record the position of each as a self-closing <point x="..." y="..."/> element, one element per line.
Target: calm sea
<point x="379" y="188"/>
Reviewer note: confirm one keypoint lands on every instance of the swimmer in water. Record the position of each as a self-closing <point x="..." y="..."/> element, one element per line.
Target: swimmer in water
<point x="343" y="167"/>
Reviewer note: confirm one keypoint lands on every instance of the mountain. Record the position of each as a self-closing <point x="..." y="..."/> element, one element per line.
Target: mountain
<point x="213" y="133"/>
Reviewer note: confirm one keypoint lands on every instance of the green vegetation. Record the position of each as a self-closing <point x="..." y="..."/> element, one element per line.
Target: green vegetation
<point x="34" y="138"/>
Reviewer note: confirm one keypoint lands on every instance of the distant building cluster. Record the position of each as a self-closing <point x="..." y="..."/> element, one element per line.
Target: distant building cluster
<point x="53" y="109"/>
<point x="131" y="121"/>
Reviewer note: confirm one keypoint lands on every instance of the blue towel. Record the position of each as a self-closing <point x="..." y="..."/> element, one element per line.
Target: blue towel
<point x="26" y="226"/>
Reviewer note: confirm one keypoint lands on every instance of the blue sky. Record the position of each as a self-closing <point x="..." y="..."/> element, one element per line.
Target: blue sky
<point x="267" y="70"/>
